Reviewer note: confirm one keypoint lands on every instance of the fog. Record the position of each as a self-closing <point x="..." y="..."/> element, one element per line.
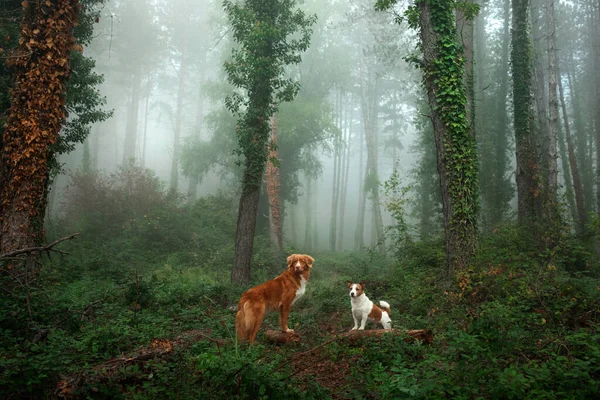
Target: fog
<point x="162" y="62"/>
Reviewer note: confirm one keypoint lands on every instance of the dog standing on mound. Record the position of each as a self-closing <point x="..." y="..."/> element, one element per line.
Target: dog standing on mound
<point x="363" y="309"/>
<point x="277" y="294"/>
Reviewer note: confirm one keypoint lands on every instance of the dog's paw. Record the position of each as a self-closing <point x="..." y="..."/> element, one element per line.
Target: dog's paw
<point x="353" y="329"/>
<point x="361" y="329"/>
<point x="289" y="331"/>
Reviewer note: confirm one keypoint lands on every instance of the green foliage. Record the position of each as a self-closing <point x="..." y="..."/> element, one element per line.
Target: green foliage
<point x="271" y="36"/>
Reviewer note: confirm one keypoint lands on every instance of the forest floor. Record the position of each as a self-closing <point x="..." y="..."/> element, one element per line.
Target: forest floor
<point x="517" y="329"/>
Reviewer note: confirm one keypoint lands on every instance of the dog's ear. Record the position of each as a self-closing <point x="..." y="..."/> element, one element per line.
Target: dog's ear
<point x="362" y="283"/>
<point x="350" y="283"/>
<point x="309" y="260"/>
<point x="291" y="259"/>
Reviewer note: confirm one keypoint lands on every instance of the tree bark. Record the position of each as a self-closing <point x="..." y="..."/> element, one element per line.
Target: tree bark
<point x="527" y="166"/>
<point x="35" y="117"/>
<point x="244" y="234"/>
<point x="458" y="179"/>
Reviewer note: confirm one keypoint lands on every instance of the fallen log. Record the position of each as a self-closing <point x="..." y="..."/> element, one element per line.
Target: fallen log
<point x="426" y="336"/>
<point x="282" y="337"/>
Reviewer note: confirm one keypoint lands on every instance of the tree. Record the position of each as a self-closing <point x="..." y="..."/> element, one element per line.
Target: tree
<point x="442" y="65"/>
<point x="527" y="173"/>
<point x="263" y="31"/>
<point x="36" y="115"/>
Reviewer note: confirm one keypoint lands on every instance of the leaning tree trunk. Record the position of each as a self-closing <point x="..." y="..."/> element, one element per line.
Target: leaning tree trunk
<point x="527" y="166"/>
<point x="577" y="185"/>
<point x="35" y="117"/>
<point x="455" y="147"/>
<point x="273" y="185"/>
<point x="336" y="176"/>
<point x="308" y="237"/>
<point x="145" y="132"/>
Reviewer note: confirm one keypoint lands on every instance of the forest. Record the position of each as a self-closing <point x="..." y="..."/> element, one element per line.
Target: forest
<point x="159" y="158"/>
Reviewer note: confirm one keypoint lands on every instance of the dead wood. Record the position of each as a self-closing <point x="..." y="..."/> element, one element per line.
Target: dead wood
<point x="282" y="337"/>
<point x="39" y="249"/>
<point x="159" y="349"/>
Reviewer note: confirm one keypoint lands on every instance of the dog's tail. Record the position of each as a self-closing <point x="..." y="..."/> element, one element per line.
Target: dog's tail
<point x="385" y="306"/>
<point x="242" y="328"/>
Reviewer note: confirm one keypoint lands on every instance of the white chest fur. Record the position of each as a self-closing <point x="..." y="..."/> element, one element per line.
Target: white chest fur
<point x="361" y="305"/>
<point x="300" y="291"/>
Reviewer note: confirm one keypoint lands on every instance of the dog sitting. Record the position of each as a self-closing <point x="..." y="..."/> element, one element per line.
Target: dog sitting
<point x="277" y="294"/>
<point x="363" y="309"/>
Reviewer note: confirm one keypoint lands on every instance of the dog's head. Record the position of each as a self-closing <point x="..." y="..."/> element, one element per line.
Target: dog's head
<point x="356" y="289"/>
<point x="300" y="263"/>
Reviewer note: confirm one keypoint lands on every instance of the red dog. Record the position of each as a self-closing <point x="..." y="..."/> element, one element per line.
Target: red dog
<point x="277" y="294"/>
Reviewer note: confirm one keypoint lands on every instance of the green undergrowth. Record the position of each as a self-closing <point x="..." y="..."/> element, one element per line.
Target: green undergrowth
<point x="515" y="325"/>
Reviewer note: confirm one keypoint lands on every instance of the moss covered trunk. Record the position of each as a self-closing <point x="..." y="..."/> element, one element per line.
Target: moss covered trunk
<point x="443" y="70"/>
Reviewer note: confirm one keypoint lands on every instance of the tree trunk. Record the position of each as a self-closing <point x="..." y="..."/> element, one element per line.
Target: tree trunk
<point x="564" y="159"/>
<point x="195" y="180"/>
<point x="346" y="169"/>
<point x="273" y="185"/>
<point x="96" y="129"/>
<point x="577" y="185"/>
<point x="465" y="30"/>
<point x="35" y="117"/>
<point x="553" y="107"/>
<point x="336" y="174"/>
<point x="174" y="183"/>
<point x="145" y="137"/>
<point x="131" y="126"/>
<point x="587" y="171"/>
<point x="540" y="94"/>
<point x="244" y="235"/>
<point x="308" y="243"/>
<point x="527" y="166"/>
<point x="455" y="147"/>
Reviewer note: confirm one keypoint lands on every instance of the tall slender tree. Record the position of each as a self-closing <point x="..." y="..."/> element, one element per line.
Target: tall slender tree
<point x="527" y="174"/>
<point x="270" y="35"/>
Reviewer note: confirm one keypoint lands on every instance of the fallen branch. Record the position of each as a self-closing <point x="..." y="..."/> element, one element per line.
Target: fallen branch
<point x="48" y="248"/>
<point x="157" y="350"/>
<point x="424" y="335"/>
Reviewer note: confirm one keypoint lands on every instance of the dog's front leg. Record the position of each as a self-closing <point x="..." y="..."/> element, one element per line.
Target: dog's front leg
<point x="355" y="322"/>
<point x="363" y="322"/>
<point x="284" y="312"/>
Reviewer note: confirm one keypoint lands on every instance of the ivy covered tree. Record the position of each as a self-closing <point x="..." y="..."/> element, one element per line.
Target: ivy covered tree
<point x="270" y="36"/>
<point x="35" y="117"/>
<point x="442" y="64"/>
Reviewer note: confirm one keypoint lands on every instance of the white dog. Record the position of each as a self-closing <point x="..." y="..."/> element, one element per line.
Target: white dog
<point x="363" y="309"/>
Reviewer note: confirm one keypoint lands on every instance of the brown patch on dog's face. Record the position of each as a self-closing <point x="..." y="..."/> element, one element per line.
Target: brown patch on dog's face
<point x="356" y="289"/>
<point x="300" y="263"/>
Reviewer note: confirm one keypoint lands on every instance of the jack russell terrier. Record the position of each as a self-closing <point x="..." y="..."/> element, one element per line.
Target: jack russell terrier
<point x="363" y="309"/>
